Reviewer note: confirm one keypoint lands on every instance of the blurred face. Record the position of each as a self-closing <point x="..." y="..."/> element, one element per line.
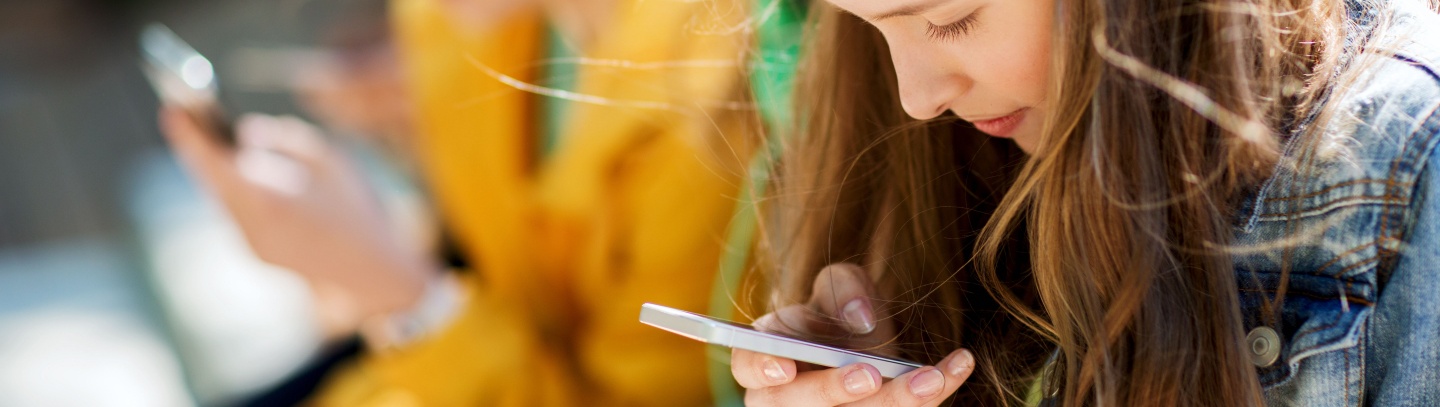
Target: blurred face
<point x="474" y="17"/>
<point x="985" y="60"/>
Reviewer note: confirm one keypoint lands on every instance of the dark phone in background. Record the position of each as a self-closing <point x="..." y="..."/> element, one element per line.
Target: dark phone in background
<point x="184" y="78"/>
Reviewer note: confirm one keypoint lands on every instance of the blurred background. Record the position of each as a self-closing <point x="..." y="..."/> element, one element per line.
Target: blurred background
<point x="120" y="284"/>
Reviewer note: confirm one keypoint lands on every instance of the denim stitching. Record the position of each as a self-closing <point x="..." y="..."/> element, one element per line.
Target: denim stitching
<point x="1385" y="200"/>
<point x="1328" y="189"/>
<point x="1360" y="350"/>
<point x="1349" y="287"/>
<point x="1412" y="153"/>
<point x="1347" y="377"/>
<point x="1416" y="63"/>
<point x="1340" y="256"/>
<point x="1357" y="264"/>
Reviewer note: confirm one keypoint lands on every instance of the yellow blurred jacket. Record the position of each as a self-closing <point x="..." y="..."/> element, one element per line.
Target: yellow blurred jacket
<point x="630" y="208"/>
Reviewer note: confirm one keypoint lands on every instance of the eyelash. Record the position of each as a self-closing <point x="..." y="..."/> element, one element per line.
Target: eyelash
<point x="951" y="31"/>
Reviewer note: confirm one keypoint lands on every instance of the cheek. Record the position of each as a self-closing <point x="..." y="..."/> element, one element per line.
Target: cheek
<point x="1015" y="59"/>
<point x="1032" y="70"/>
<point x="1019" y="77"/>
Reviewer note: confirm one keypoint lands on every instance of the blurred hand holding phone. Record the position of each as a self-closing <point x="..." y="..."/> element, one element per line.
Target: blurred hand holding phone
<point x="300" y="202"/>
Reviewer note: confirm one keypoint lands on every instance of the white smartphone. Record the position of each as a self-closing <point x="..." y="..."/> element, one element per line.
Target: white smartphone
<point x="740" y="336"/>
<point x="184" y="78"/>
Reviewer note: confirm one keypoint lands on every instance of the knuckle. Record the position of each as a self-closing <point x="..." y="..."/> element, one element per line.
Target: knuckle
<point x="744" y="366"/>
<point x="762" y="397"/>
<point x="896" y="395"/>
<point x="764" y="323"/>
<point x="832" y="389"/>
<point x="744" y="377"/>
<point x="825" y="390"/>
<point x="839" y="267"/>
<point x="753" y="398"/>
<point x="844" y="272"/>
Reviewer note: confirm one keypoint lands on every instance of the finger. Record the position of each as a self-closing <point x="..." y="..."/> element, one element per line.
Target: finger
<point x="288" y="136"/>
<point x="197" y="149"/>
<point x="927" y="386"/>
<point x="753" y="370"/>
<point x="274" y="172"/>
<point x="843" y="290"/>
<point x="795" y="320"/>
<point x="803" y="322"/>
<point x="829" y="387"/>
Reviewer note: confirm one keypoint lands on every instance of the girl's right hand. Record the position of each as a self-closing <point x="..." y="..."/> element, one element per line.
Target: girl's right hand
<point x="840" y="306"/>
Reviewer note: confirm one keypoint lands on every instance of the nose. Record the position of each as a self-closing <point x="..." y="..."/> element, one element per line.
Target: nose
<point x="927" y="83"/>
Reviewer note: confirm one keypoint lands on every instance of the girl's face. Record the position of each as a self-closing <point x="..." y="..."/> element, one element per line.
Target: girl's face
<point x="987" y="61"/>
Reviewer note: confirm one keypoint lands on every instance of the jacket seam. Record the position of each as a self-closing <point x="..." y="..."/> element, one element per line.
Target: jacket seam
<point x="1415" y="62"/>
<point x="1385" y="200"/>
<point x="1327" y="189"/>
<point x="1340" y="256"/>
<point x="1420" y="147"/>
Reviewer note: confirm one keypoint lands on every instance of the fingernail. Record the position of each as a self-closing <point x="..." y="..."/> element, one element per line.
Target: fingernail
<point x="774" y="371"/>
<point x="858" y="316"/>
<point x="255" y="121"/>
<point x="961" y="363"/>
<point x="860" y="381"/>
<point x="927" y="383"/>
<point x="252" y="129"/>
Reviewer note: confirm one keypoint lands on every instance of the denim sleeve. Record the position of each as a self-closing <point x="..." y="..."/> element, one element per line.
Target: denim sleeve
<point x="1403" y="362"/>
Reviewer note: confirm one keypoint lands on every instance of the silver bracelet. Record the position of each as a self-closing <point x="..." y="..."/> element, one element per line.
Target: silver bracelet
<point x="442" y="301"/>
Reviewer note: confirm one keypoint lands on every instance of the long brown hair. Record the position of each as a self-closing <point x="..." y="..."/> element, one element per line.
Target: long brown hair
<point x="1107" y="244"/>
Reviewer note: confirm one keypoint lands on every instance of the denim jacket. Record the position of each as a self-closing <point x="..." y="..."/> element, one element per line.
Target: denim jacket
<point x="1358" y="225"/>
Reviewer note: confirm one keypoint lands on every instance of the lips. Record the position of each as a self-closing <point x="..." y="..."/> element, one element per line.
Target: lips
<point x="1001" y="126"/>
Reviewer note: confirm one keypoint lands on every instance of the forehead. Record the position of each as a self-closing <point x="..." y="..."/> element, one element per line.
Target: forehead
<point x="874" y="10"/>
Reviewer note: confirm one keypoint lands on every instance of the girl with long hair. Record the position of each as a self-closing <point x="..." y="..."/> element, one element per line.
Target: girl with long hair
<point x="1111" y="202"/>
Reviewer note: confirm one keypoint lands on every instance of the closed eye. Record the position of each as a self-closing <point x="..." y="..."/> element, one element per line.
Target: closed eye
<point x="952" y="31"/>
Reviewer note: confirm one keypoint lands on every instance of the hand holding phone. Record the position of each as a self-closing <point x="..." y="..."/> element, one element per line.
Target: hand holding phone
<point x="840" y="302"/>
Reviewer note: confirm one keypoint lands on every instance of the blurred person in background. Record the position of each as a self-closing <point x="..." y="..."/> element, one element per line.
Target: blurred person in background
<point x="354" y="88"/>
<point x="587" y="155"/>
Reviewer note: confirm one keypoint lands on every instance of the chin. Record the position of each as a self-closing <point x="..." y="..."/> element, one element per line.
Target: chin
<point x="1026" y="142"/>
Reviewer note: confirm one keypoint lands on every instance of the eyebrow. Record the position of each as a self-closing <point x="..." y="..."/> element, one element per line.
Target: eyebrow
<point x="909" y="10"/>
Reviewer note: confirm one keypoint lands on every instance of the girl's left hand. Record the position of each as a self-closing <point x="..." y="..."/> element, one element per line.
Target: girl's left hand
<point x="840" y="307"/>
<point x="854" y="385"/>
